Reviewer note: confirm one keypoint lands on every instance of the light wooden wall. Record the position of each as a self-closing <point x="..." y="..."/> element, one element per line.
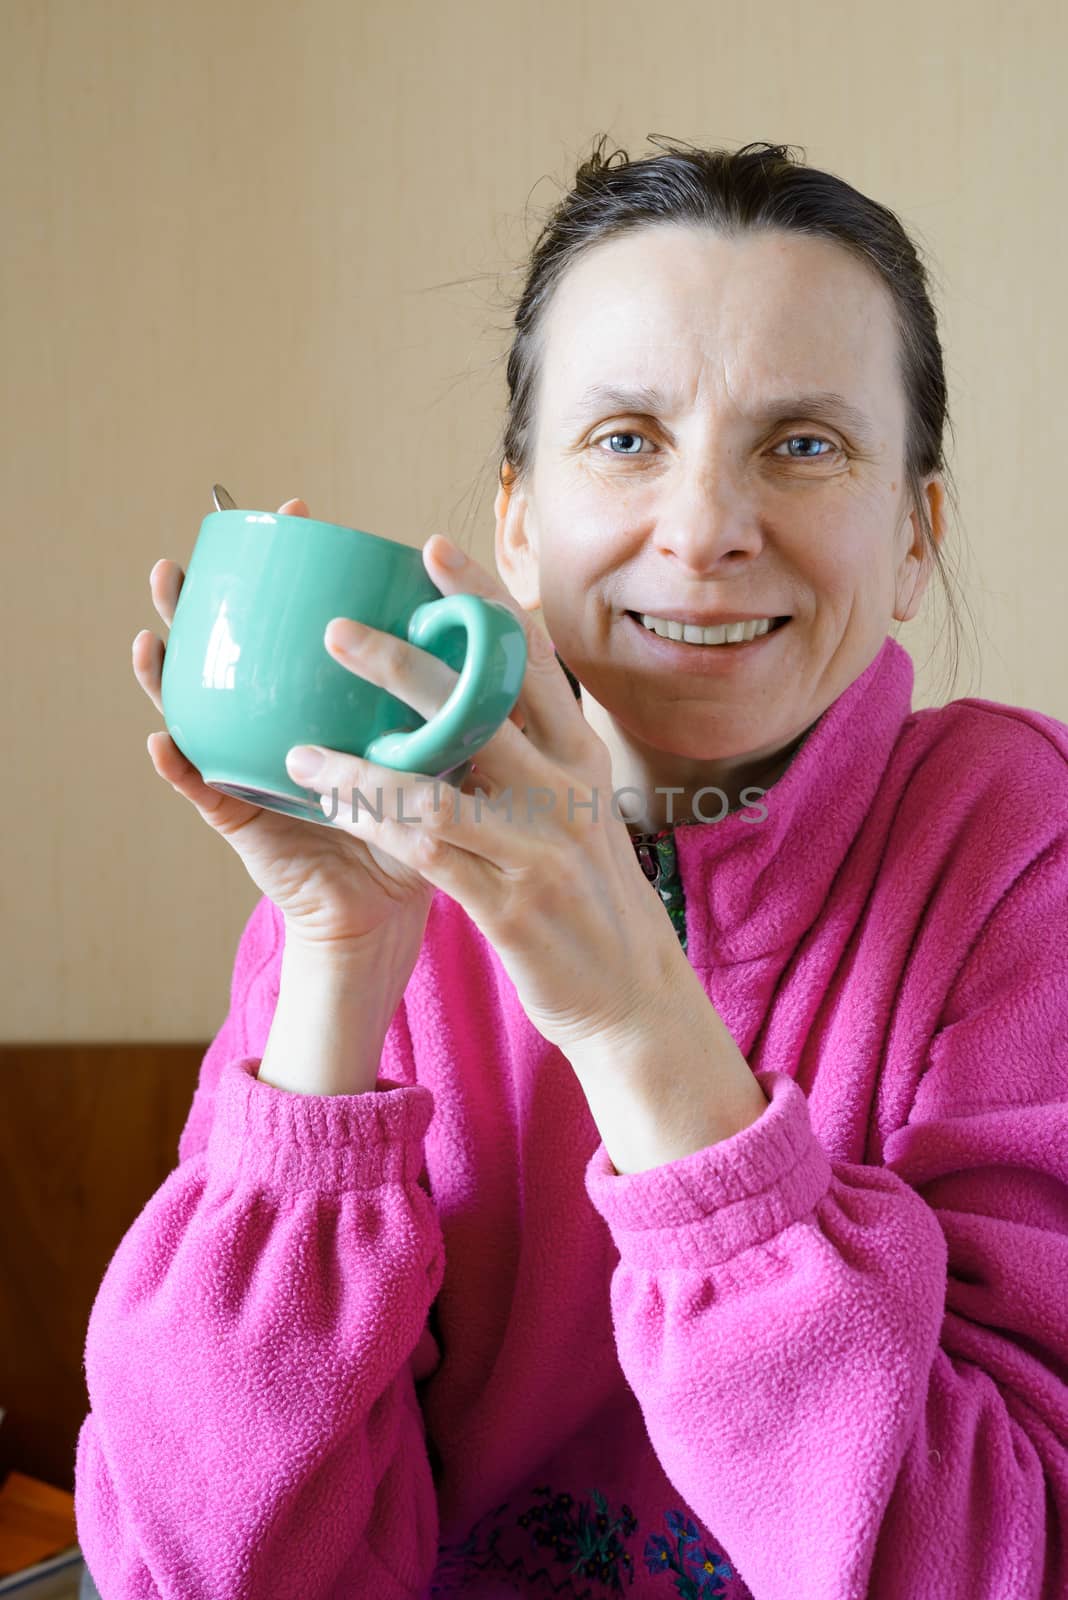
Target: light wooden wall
<point x="229" y="231"/>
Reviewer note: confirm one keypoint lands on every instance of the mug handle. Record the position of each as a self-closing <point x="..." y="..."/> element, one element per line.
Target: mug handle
<point x="482" y="697"/>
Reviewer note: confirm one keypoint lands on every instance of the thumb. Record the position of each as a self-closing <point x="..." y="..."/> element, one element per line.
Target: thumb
<point x="294" y="508"/>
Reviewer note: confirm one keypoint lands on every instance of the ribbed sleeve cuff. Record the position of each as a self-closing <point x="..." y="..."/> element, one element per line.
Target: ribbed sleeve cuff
<point x="270" y="1136"/>
<point x="711" y="1205"/>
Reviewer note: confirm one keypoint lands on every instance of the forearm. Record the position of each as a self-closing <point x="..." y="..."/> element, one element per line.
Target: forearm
<point x="330" y="1022"/>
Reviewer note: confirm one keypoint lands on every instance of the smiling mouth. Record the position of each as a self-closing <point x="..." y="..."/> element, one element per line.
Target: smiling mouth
<point x="737" y="644"/>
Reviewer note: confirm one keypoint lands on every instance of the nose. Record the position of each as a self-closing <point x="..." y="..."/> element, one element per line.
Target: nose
<point x="707" y="523"/>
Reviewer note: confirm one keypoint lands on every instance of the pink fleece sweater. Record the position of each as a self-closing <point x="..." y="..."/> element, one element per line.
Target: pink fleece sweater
<point x="425" y="1341"/>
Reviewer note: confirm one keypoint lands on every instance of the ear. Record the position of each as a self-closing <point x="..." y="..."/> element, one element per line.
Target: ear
<point x="916" y="565"/>
<point x="515" y="542"/>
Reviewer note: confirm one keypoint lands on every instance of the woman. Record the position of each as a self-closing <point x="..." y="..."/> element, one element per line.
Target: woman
<point x="538" y="1233"/>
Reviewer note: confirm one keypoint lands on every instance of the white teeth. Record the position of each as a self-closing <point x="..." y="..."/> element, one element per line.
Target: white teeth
<point x="726" y="633"/>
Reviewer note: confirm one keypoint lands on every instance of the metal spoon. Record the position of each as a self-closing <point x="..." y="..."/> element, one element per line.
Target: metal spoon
<point x="224" y="501"/>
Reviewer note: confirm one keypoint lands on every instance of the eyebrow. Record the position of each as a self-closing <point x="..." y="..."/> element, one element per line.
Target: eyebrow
<point x="822" y="405"/>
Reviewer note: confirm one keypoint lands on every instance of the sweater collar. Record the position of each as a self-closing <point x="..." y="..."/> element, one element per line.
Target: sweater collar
<point x="753" y="888"/>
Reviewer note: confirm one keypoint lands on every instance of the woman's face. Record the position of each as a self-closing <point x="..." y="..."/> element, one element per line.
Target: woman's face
<point x="722" y="489"/>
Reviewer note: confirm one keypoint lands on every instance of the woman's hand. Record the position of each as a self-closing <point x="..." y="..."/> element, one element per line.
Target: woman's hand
<point x="555" y="886"/>
<point x="338" y="892"/>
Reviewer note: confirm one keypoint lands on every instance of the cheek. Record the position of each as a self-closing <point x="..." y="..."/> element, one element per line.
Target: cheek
<point x="561" y="605"/>
<point x="840" y="554"/>
<point x="577" y="564"/>
<point x="602" y="506"/>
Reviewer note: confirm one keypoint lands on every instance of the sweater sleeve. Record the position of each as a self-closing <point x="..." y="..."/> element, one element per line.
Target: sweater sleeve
<point x="854" y="1374"/>
<point x="253" y="1348"/>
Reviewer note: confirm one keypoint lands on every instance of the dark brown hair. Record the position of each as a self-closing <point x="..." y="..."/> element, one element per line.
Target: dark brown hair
<point x="760" y="186"/>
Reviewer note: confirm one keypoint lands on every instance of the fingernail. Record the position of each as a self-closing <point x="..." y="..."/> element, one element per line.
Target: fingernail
<point x="346" y="635"/>
<point x="448" y="554"/>
<point x="304" y="761"/>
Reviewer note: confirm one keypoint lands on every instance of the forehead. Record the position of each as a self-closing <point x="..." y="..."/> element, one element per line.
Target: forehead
<point x="738" y="317"/>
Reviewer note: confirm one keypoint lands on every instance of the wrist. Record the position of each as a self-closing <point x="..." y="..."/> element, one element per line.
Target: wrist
<point x="393" y="945"/>
<point x="644" y="1009"/>
<point x="333" y="971"/>
<point x="331" y="1018"/>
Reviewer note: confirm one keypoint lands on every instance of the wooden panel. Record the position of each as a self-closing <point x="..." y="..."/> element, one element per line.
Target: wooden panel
<point x="88" y="1134"/>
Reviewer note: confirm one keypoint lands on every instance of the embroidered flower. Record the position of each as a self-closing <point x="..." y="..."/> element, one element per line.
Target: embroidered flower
<point x="698" y="1569"/>
<point x="583" y="1542"/>
<point x="585" y="1539"/>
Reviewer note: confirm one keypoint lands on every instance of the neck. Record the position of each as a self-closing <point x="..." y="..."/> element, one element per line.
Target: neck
<point x="662" y="786"/>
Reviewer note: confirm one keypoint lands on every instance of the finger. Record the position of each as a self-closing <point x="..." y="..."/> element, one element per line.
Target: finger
<point x="553" y="718"/>
<point x="147" y="659"/>
<point x="222" y="811"/>
<point x="407" y="671"/>
<point x="165" y="585"/>
<point x="546" y="704"/>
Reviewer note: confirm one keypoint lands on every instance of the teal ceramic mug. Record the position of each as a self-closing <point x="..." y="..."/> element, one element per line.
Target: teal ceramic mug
<point x="246" y="674"/>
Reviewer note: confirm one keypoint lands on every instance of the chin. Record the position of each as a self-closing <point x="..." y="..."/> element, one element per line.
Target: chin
<point x="685" y="732"/>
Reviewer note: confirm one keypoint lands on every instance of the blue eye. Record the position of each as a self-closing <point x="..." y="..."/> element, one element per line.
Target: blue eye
<point x="797" y="438"/>
<point x="623" y="435"/>
<point x="805" y="438"/>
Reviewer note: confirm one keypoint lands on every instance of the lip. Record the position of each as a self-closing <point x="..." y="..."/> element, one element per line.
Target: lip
<point x="704" y="619"/>
<point x="701" y="658"/>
